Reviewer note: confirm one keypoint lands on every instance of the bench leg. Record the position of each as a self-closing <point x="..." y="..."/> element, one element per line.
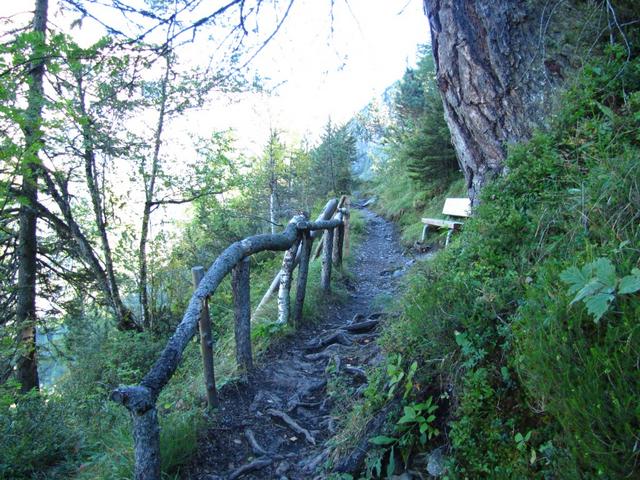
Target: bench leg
<point x="449" y="233"/>
<point x="425" y="229"/>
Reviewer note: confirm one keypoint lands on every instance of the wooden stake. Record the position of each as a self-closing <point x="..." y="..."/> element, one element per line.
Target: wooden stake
<point x="206" y="343"/>
<point x="303" y="272"/>
<point x="347" y="215"/>
<point x="338" y="241"/>
<point x="327" y="247"/>
<point x="242" y="313"/>
<point x="326" y="214"/>
<point x="284" y="302"/>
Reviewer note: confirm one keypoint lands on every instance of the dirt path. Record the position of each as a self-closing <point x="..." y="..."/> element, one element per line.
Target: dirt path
<point x="276" y="426"/>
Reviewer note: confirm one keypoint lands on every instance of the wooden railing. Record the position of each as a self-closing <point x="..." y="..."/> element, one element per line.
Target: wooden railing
<point x="296" y="240"/>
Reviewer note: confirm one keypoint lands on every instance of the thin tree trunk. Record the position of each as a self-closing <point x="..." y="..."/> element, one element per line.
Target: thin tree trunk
<point x="327" y="247"/>
<point x="303" y="273"/>
<point x="273" y="181"/>
<point x="27" y="365"/>
<point x="284" y="297"/>
<point x="148" y="205"/>
<point x="123" y="314"/>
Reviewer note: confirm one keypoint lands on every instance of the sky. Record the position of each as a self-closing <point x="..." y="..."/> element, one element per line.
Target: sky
<point x="326" y="62"/>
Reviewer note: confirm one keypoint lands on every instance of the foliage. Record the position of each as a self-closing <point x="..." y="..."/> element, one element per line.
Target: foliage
<point x="538" y="388"/>
<point x="596" y="285"/>
<point x="332" y="160"/>
<point x="35" y="433"/>
<point x="419" y="138"/>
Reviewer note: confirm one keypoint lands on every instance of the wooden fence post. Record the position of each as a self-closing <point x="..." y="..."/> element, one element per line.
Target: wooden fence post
<point x="284" y="301"/>
<point x="146" y="437"/>
<point x="303" y="272"/>
<point x="327" y="247"/>
<point x="242" y="313"/>
<point x="206" y="343"/>
<point x="338" y="241"/>
<point x="347" y="240"/>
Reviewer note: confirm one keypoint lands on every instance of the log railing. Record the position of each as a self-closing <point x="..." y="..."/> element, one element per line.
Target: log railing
<point x="296" y="241"/>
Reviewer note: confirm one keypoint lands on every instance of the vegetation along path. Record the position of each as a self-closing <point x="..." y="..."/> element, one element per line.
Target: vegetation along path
<point x="279" y="424"/>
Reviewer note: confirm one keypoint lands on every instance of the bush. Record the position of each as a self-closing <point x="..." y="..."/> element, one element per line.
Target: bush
<point x="540" y="387"/>
<point x="35" y="435"/>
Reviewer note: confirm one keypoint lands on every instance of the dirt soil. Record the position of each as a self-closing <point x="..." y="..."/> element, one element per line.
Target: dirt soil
<point x="277" y="425"/>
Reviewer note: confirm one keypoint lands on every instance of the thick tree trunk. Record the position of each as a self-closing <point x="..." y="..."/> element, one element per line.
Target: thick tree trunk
<point x="27" y="365"/>
<point x="495" y="75"/>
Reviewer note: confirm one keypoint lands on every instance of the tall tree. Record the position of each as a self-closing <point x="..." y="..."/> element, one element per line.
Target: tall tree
<point x="500" y="62"/>
<point x="27" y="366"/>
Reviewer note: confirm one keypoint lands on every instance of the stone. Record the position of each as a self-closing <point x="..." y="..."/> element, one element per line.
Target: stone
<point x="436" y="463"/>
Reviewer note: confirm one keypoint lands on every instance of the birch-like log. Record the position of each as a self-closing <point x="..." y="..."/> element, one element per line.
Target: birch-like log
<point x="206" y="343"/>
<point x="284" y="297"/>
<point x="326" y="214"/>
<point x="242" y="313"/>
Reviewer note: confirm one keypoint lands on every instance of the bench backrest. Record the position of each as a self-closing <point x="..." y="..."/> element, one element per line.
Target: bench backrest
<point x="457" y="207"/>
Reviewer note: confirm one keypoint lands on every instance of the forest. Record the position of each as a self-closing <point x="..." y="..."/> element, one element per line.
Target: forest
<point x="507" y="350"/>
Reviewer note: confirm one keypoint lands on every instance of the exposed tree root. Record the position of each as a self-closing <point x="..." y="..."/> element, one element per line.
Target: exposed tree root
<point x="291" y="423"/>
<point x="250" y="467"/>
<point x="255" y="446"/>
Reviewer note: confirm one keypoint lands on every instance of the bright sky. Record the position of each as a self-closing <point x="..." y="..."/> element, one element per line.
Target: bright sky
<point x="326" y="63"/>
<point x="337" y="74"/>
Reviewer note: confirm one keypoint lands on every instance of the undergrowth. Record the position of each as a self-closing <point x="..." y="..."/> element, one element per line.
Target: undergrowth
<point x="522" y="328"/>
<point x="74" y="431"/>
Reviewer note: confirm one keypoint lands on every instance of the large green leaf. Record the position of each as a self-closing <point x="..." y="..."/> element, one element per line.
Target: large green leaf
<point x="630" y="283"/>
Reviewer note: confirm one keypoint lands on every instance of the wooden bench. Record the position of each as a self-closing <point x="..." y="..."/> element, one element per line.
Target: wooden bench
<point x="454" y="207"/>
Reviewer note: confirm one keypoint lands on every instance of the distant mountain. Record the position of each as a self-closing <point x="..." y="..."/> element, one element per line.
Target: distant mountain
<point x="368" y="127"/>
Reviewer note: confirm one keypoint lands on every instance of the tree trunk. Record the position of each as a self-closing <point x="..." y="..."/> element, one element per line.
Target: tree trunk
<point x="150" y="186"/>
<point x="27" y="365"/>
<point x="241" y="285"/>
<point x="327" y="247"/>
<point x="123" y="314"/>
<point x="495" y="75"/>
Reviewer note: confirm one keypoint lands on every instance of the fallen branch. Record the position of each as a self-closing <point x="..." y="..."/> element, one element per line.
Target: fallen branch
<point x="250" y="467"/>
<point x="291" y="423"/>
<point x="255" y="446"/>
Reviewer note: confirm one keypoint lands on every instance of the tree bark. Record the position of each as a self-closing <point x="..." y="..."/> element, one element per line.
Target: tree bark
<point x="206" y="343"/>
<point x="27" y="364"/>
<point x="241" y="285"/>
<point x="303" y="273"/>
<point x="338" y="241"/>
<point x="327" y="247"/>
<point x="284" y="293"/>
<point x="495" y="76"/>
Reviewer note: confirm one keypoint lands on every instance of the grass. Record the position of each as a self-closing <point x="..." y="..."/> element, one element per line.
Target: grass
<point x="537" y="386"/>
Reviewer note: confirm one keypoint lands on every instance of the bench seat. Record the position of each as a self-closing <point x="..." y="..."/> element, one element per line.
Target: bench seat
<point x="438" y="222"/>
<point x="455" y="207"/>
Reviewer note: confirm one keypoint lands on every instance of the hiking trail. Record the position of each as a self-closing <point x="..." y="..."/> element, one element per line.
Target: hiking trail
<point x="277" y="426"/>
